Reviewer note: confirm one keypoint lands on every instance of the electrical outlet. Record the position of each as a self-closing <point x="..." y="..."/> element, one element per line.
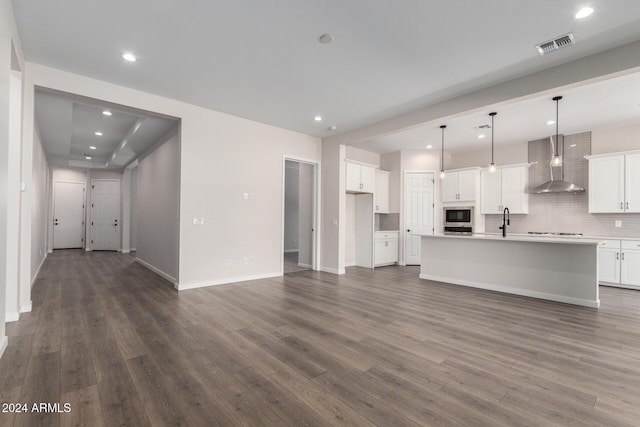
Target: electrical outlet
<point x="245" y="196"/>
<point x="250" y="260"/>
<point x="618" y="223"/>
<point x="229" y="261"/>
<point x="198" y="221"/>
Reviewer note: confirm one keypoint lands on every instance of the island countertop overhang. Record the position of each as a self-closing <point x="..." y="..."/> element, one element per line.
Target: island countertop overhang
<point x="518" y="238"/>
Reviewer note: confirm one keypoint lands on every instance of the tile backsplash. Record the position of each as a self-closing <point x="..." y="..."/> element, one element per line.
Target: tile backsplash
<point x="562" y="212"/>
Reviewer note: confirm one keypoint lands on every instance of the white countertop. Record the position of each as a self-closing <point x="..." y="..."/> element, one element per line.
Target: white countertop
<point x="514" y="237"/>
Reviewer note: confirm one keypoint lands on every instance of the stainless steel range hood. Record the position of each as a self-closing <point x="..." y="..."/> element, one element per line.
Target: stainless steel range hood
<point x="557" y="185"/>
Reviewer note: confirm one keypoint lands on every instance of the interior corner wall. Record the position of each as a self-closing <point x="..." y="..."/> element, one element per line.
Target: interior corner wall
<point x="291" y="205"/>
<point x="40" y="206"/>
<point x="157" y="212"/>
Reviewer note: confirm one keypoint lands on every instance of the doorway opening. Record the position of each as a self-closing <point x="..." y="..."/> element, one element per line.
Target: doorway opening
<point x="299" y="242"/>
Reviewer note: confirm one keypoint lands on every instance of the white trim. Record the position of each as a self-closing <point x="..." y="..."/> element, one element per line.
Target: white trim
<point x="304" y="265"/>
<point x="157" y="271"/>
<point x="357" y="162"/>
<point x="615" y="154"/>
<point x="125" y="251"/>
<point x="510" y="290"/>
<point x="3" y="345"/>
<point x="288" y="251"/>
<point x="133" y="249"/>
<point x="88" y="249"/>
<point x="183" y="287"/>
<point x="26" y="308"/>
<point x="333" y="270"/>
<point x="619" y="285"/>
<point x="11" y="317"/>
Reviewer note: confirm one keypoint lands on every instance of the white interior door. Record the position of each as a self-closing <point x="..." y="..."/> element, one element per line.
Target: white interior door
<point x="68" y="215"/>
<point x="105" y="214"/>
<point x="418" y="212"/>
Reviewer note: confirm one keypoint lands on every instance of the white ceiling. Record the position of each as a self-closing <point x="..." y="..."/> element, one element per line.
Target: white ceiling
<point x="67" y="124"/>
<point x="608" y="103"/>
<point x="263" y="61"/>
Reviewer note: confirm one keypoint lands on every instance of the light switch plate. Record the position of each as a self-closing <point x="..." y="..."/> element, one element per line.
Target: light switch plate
<point x="245" y="196"/>
<point x="618" y="223"/>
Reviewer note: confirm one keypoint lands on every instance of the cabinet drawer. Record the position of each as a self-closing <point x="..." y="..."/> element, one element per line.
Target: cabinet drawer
<point x="630" y="244"/>
<point x="386" y="235"/>
<point x="611" y="244"/>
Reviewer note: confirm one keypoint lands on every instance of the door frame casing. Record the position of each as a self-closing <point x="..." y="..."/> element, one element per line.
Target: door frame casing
<point x="88" y="238"/>
<point x="53" y="211"/>
<point x="315" y="237"/>
<point x="401" y="237"/>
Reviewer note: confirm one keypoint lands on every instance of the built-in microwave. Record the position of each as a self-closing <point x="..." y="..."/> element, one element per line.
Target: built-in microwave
<point x="457" y="220"/>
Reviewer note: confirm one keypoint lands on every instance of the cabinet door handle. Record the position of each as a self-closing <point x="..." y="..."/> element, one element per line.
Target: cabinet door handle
<point x="627" y="205"/>
<point x="377" y="207"/>
<point x="617" y="255"/>
<point x="386" y="243"/>
<point x="621" y="207"/>
<point x="623" y="256"/>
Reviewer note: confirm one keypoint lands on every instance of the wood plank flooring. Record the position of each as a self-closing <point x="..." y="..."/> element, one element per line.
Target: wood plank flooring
<point x="374" y="347"/>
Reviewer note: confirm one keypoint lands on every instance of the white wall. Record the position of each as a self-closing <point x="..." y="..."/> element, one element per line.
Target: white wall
<point x="623" y="138"/>
<point x="503" y="155"/>
<point x="359" y="155"/>
<point x="158" y="207"/>
<point x="133" y="227"/>
<point x="350" y="230"/>
<point x="9" y="60"/>
<point x="305" y="214"/>
<point x="40" y="212"/>
<point x="333" y="231"/>
<point x="291" y="205"/>
<point x="391" y="162"/>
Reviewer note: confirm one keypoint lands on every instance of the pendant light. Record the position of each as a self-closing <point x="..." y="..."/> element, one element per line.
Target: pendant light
<point x="442" y="172"/>
<point x="492" y="166"/>
<point x="557" y="157"/>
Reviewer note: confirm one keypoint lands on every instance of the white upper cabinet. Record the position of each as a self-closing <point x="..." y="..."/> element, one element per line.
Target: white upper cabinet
<point x="360" y="178"/>
<point x="381" y="204"/>
<point x="504" y="188"/>
<point x="459" y="186"/>
<point x="614" y="183"/>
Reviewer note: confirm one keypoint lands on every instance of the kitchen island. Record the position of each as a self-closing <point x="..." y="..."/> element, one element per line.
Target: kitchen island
<point x="551" y="268"/>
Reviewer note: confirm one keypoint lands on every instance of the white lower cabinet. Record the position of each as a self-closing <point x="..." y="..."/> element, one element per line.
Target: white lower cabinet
<point x="619" y="263"/>
<point x="385" y="248"/>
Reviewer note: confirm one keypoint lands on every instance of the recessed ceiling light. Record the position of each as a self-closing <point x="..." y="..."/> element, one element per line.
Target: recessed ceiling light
<point x="429" y="147"/>
<point x="551" y="122"/>
<point x="97" y="133"/>
<point x="129" y="57"/>
<point x="106" y="112"/>
<point x="584" y="12"/>
<point x="92" y="147"/>
<point x="317" y="118"/>
<point x="87" y="157"/>
<point x="481" y="136"/>
<point x="325" y="38"/>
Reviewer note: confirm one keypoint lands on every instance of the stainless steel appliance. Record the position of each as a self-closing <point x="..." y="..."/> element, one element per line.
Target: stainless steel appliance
<point x="457" y="220"/>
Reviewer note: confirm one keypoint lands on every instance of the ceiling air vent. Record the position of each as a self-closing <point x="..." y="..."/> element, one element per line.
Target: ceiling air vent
<point x="555" y="44"/>
<point x="482" y="127"/>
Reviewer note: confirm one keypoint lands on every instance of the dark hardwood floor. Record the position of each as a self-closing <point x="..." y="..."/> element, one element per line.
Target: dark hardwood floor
<point x="380" y="347"/>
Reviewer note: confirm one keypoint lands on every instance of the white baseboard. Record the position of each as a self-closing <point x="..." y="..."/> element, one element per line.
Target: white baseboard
<point x="88" y="249"/>
<point x="332" y="270"/>
<point x="11" y="317"/>
<point x="3" y="345"/>
<point x="157" y="271"/>
<point x="515" y="291"/>
<point x="183" y="287"/>
<point x="133" y="249"/>
<point x="303" y="265"/>
<point x="125" y="251"/>
<point x="288" y="251"/>
<point x="350" y="264"/>
<point x="26" y="308"/>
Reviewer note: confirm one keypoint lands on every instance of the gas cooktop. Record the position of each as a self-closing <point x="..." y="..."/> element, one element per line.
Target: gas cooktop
<point x="549" y="233"/>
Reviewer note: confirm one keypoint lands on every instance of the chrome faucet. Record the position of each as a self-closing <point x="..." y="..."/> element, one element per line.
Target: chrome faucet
<point x="505" y="222"/>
